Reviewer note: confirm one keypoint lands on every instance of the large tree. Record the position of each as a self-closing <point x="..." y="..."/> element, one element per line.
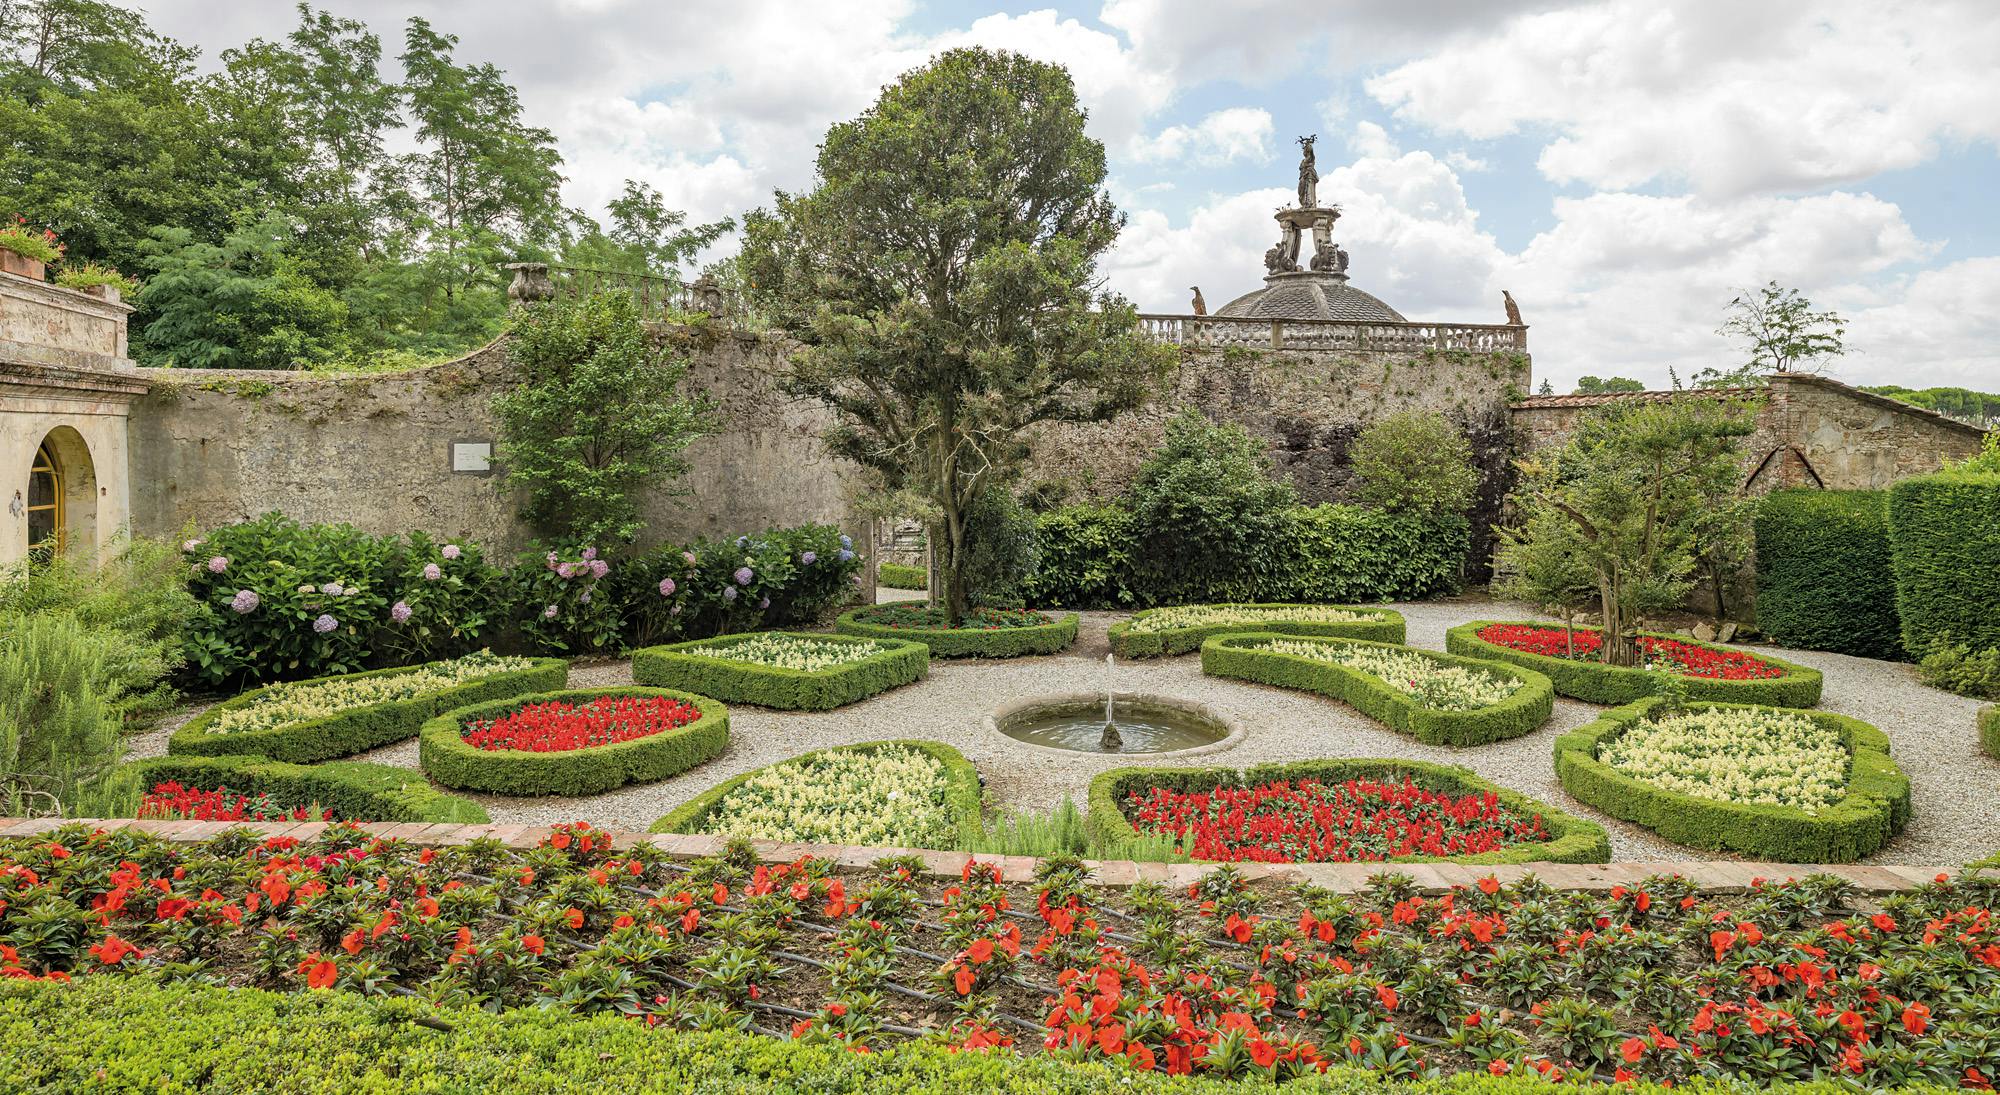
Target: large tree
<point x="942" y="277"/>
<point x="1780" y="332"/>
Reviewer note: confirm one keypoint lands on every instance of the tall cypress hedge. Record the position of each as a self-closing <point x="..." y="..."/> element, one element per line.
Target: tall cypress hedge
<point x="1824" y="579"/>
<point x="1944" y="531"/>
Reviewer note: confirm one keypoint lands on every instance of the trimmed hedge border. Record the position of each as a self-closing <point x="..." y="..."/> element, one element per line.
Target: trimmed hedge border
<point x="1610" y="685"/>
<point x="1875" y="808"/>
<point x="1824" y="577"/>
<point x="1944" y="543"/>
<point x="961" y="794"/>
<point x="445" y="757"/>
<point x="774" y="686"/>
<point x="354" y="790"/>
<point x="1182" y="640"/>
<point x="969" y="642"/>
<point x="1989" y="729"/>
<point x="898" y="576"/>
<point x="1571" y="838"/>
<point x="359" y="729"/>
<point x="1523" y="712"/>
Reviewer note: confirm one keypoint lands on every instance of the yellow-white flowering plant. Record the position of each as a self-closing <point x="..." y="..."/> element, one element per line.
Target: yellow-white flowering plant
<point x="891" y="795"/>
<point x="1757" y="755"/>
<point x="1430" y="682"/>
<point x="282" y="704"/>
<point x="790" y="652"/>
<point x="1174" y="619"/>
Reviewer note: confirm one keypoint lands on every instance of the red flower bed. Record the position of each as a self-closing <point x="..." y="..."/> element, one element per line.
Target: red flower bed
<point x="557" y="727"/>
<point x="173" y="801"/>
<point x="1313" y="822"/>
<point x="1583" y="644"/>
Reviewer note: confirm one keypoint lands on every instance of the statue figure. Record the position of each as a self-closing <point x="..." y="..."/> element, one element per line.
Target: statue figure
<point x="1513" y="310"/>
<point x="1291" y="239"/>
<point x="1200" y="305"/>
<point x="707" y="295"/>
<point x="1322" y="260"/>
<point x="1308" y="174"/>
<point x="1274" y="258"/>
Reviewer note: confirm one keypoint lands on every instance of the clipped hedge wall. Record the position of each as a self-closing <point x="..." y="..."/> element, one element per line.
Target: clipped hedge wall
<point x="1989" y="729"/>
<point x="1876" y="807"/>
<point x="962" y="794"/>
<point x="1127" y="643"/>
<point x="1524" y="711"/>
<point x="1595" y="682"/>
<point x="446" y="758"/>
<point x="353" y="790"/>
<point x="969" y="642"/>
<point x="774" y="686"/>
<point x="358" y="729"/>
<point x="1944" y="532"/>
<point x="1824" y="577"/>
<point x="899" y="576"/>
<point x="1571" y="838"/>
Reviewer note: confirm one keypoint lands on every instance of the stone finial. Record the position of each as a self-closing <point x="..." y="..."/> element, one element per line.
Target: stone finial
<point x="1513" y="310"/>
<point x="1200" y="306"/>
<point x="531" y="283"/>
<point x="707" y="295"/>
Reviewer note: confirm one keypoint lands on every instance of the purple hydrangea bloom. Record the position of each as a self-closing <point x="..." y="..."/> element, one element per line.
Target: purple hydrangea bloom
<point x="552" y="560"/>
<point x="599" y="568"/>
<point x="566" y="570"/>
<point x="743" y="576"/>
<point x="583" y="598"/>
<point x="846" y="541"/>
<point x="400" y="612"/>
<point x="667" y="587"/>
<point x="325" y="623"/>
<point x="331" y="589"/>
<point x="809" y="558"/>
<point x="688" y="557"/>
<point x="450" y="551"/>
<point x="728" y="593"/>
<point x="589" y="554"/>
<point x="218" y="564"/>
<point x="245" y="601"/>
<point x="549" y="613"/>
<point x="765" y="603"/>
<point x="845" y="555"/>
<point x="432" y="572"/>
<point x="675" y="611"/>
<point x="190" y="545"/>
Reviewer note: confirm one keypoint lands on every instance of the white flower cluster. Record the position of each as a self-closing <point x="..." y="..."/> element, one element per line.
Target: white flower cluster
<point x="288" y="703"/>
<point x="1173" y="619"/>
<point x="887" y="796"/>
<point x="1759" y="756"/>
<point x="791" y="652"/>
<point x="1430" y="682"/>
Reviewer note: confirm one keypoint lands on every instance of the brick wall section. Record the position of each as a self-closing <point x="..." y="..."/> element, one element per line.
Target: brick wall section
<point x="1431" y="878"/>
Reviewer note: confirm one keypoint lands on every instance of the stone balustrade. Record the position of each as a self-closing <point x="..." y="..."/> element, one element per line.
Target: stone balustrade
<point x="1221" y="332"/>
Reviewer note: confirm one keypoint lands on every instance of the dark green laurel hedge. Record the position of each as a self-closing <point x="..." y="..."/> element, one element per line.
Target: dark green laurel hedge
<point x="1945" y="532"/>
<point x="449" y="760"/>
<point x="773" y="686"/>
<point x="1824" y="579"/>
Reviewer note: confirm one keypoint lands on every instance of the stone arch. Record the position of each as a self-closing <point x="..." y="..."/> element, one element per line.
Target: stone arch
<point x="64" y="475"/>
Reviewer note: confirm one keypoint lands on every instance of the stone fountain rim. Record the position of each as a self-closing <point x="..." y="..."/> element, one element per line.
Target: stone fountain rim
<point x="1237" y="730"/>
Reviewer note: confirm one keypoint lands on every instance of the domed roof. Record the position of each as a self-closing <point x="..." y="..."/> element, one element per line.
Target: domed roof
<point x="1307" y="294"/>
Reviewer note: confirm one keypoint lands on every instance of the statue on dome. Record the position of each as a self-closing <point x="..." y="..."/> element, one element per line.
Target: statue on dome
<point x="1308" y="174"/>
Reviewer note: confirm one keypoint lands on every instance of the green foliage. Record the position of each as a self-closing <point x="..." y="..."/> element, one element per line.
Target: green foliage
<point x="900" y="576"/>
<point x="1000" y="549"/>
<point x="1591" y="385"/>
<point x="1414" y="460"/>
<point x="447" y="759"/>
<point x="796" y="575"/>
<point x="90" y="275"/>
<point x="970" y="641"/>
<point x="243" y="304"/>
<point x="1063" y="831"/>
<point x="1960" y="403"/>
<point x="59" y="724"/>
<point x="1956" y="667"/>
<point x="135" y="605"/>
<point x="1595" y="682"/>
<point x="1944" y="535"/>
<point x="1571" y="839"/>
<point x="1824" y="579"/>
<point x="1779" y="331"/>
<point x="1202" y="505"/>
<point x="358" y="729"/>
<point x="1876" y="807"/>
<point x="1085" y="558"/>
<point x="1235" y="655"/>
<point x="560" y="601"/>
<point x="1989" y="729"/>
<point x="776" y="686"/>
<point x="351" y="789"/>
<point x="644" y="236"/>
<point x="595" y="417"/>
<point x="1127" y="643"/>
<point x="1540" y="561"/>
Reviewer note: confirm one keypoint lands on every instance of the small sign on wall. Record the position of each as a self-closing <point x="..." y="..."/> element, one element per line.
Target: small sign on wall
<point x="472" y="457"/>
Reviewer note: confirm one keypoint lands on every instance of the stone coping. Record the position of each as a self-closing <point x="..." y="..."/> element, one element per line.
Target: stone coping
<point x="1712" y="876"/>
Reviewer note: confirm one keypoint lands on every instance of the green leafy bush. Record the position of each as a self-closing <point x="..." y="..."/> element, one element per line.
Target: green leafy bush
<point x="1414" y="461"/>
<point x="447" y="758"/>
<point x="1202" y="505"/>
<point x="134" y="602"/>
<point x="697" y="590"/>
<point x="59" y="718"/>
<point x="900" y="576"/>
<point x="1141" y="637"/>
<point x="1876" y="806"/>
<point x="561" y="602"/>
<point x="1240" y="656"/>
<point x="1824" y="578"/>
<point x="1956" y="667"/>
<point x="1085" y="558"/>
<point x="1000" y="549"/>
<point x="988" y="632"/>
<point x="890" y="664"/>
<point x="1595" y="682"/>
<point x="1989" y="729"/>
<point x="353" y="790"/>
<point x="1944" y="532"/>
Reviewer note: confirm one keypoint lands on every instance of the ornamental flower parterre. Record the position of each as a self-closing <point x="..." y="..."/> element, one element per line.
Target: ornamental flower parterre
<point x="1760" y="756"/>
<point x="791" y="652"/>
<point x="924" y="618"/>
<point x="1174" y="619"/>
<point x="1416" y="674"/>
<point x="558" y="727"/>
<point x="1671" y="655"/>
<point x="281" y="704"/>
<point x="891" y="796"/>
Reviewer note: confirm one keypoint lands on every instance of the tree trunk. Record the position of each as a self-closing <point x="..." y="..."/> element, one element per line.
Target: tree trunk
<point x="1621" y="646"/>
<point x="951" y="564"/>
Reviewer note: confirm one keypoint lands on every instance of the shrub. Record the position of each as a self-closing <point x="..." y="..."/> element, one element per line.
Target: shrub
<point x="696" y="590"/>
<point x="1085" y="558"/>
<point x="1956" y="667"/>
<point x="1202" y="506"/>
<point x="1000" y="549"/>
<point x="1989" y="729"/>
<point x="353" y="730"/>
<point x="1143" y="636"/>
<point x="1944" y="534"/>
<point x="1244" y="657"/>
<point x="988" y="632"/>
<point x="901" y="576"/>
<point x="1875" y="808"/>
<point x="704" y="667"/>
<point x="960" y="793"/>
<point x="561" y="601"/>
<point x="133" y="600"/>
<point x="59" y="719"/>
<point x="1824" y="579"/>
<point x="449" y="759"/>
<point x="1414" y="461"/>
<point x="1595" y="682"/>
<point x="1571" y="839"/>
<point x="353" y="790"/>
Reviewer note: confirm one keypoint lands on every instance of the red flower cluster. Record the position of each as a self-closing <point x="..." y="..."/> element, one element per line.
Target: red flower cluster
<point x="557" y="727"/>
<point x="171" y="800"/>
<point x="1583" y="644"/>
<point x="1314" y="822"/>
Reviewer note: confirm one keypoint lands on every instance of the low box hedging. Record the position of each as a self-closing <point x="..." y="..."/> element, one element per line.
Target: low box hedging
<point x="1525" y="710"/>
<point x="899" y="576"/>
<point x="1386" y="627"/>
<point x="1944" y="533"/>
<point x="1876" y="806"/>
<point x="353" y="790"/>
<point x="1571" y="838"/>
<point x="968" y="642"/>
<point x="1824" y="578"/>
<point x="1989" y="729"/>
<point x="357" y="730"/>
<point x="445" y="756"/>
<point x="776" y="686"/>
<point x="962" y="791"/>
<point x="1595" y="682"/>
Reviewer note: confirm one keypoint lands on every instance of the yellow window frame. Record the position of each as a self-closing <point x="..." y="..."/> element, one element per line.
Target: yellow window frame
<point x="45" y="464"/>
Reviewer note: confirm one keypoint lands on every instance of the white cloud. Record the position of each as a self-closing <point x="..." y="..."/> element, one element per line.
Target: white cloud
<point x="1463" y="161"/>
<point x="1225" y="136"/>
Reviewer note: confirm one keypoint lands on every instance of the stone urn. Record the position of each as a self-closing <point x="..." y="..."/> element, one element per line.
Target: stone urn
<point x="23" y="266"/>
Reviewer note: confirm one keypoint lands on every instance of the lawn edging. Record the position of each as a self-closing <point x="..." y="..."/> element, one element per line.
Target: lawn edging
<point x="673" y="666"/>
<point x="1388" y="627"/>
<point x="1611" y="685"/>
<point x="446" y="758"/>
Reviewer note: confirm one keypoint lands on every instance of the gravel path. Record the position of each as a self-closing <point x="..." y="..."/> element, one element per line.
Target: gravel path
<point x="1956" y="788"/>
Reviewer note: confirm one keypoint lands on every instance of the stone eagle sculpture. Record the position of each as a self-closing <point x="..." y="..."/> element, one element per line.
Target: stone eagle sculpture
<point x="1513" y="310"/>
<point x="1200" y="305"/>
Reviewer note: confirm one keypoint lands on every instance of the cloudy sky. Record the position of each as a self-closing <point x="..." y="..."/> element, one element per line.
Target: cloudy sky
<point x="1623" y="166"/>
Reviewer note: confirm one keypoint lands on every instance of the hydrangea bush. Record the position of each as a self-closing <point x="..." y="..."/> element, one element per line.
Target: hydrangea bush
<point x="716" y="586"/>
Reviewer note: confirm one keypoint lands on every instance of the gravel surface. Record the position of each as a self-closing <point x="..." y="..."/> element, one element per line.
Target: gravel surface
<point x="1956" y="787"/>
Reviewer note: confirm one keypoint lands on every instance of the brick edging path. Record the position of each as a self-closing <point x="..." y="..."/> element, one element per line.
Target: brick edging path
<point x="1710" y="876"/>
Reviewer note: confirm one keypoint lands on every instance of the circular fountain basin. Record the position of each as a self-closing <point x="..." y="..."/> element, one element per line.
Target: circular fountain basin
<point x="1146" y="725"/>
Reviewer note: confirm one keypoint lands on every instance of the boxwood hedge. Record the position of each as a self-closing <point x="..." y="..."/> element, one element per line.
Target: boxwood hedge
<point x="969" y="642"/>
<point x="442" y="750"/>
<point x="1386" y="626"/>
<point x="1876" y="806"/>
<point x="357" y="729"/>
<point x="1944" y="531"/>
<point x="1571" y="838"/>
<point x="353" y="790"/>
<point x="1238" y="655"/>
<point x="1824" y="579"/>
<point x="962" y="794"/>
<point x="899" y="576"/>
<point x="774" y="686"/>
<point x="1989" y="729"/>
<point x="1595" y="682"/>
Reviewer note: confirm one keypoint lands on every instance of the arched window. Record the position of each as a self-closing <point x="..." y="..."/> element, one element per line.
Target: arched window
<point x="45" y="504"/>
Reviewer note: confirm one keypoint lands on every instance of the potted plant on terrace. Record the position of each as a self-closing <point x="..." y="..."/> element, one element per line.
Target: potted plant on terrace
<point x="25" y="252"/>
<point x="97" y="280"/>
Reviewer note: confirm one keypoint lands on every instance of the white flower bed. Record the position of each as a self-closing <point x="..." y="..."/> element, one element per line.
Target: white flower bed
<point x="1426" y="680"/>
<point x="281" y="704"/>
<point x="1757" y="756"/>
<point x="791" y="652"/>
<point x="889" y="796"/>
<point x="1173" y="619"/>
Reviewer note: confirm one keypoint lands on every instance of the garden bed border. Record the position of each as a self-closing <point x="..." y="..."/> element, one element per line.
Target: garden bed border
<point x="400" y="794"/>
<point x="1612" y="685"/>
<point x="445" y="758"/>
<point x="969" y="642"/>
<point x="904" y="661"/>
<point x="1391" y="628"/>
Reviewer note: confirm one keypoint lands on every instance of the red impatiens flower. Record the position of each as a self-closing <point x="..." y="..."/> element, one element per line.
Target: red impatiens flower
<point x="320" y="972"/>
<point x="1916" y="1019"/>
<point x="112" y="951"/>
<point x="534" y="944"/>
<point x="1583" y="644"/>
<point x="557" y="727"/>
<point x="573" y="917"/>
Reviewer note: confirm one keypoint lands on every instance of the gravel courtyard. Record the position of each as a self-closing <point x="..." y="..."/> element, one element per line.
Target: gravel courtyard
<point x="1956" y="788"/>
